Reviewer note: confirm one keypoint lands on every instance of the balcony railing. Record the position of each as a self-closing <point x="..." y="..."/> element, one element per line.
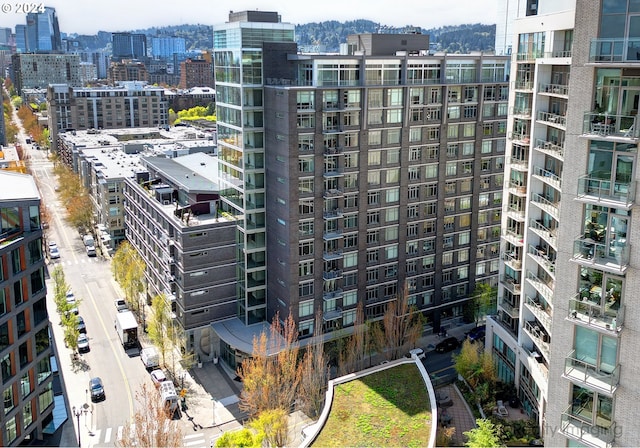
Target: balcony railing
<point x="332" y="214"/>
<point x="603" y="378"/>
<point x="530" y="56"/>
<point x="615" y="50"/>
<point x="609" y="317"/>
<point x="547" y="234"/>
<point x="515" y="213"/>
<point x="512" y="284"/>
<point x="523" y="85"/>
<point x="330" y="295"/>
<point x="518" y="163"/>
<point x="512" y="260"/>
<point x="333" y="151"/>
<point x="558" y="54"/>
<point x="612" y="257"/>
<point x="556" y="89"/>
<point x="606" y="125"/>
<point x="332" y="193"/>
<point x="517" y="188"/>
<point x="548" y="177"/>
<point x="551" y="148"/>
<point x="332" y="234"/>
<point x="514" y="237"/>
<point x="332" y="314"/>
<point x="549" y="117"/>
<point x="537" y="310"/>
<point x="332" y="255"/>
<point x="332" y="274"/>
<point x="594" y="189"/>
<point x="539" y="336"/>
<point x="542" y="258"/>
<point x="521" y="112"/>
<point x="545" y="204"/>
<point x="544" y="288"/>
<point x="576" y="427"/>
<point x="511" y="310"/>
<point x="522" y="139"/>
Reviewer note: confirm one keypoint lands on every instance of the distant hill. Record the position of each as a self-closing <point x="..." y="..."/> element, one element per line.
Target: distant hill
<point x="330" y="34"/>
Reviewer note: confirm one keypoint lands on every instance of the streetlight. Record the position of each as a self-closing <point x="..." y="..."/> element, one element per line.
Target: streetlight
<point x="77" y="412"/>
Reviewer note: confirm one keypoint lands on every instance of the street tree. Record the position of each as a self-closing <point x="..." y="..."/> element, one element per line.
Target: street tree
<point x="128" y="269"/>
<point x="158" y="323"/>
<point x="151" y="424"/>
<point x="483" y="302"/>
<point x="272" y="424"/>
<point x="484" y="435"/>
<point x="241" y="438"/>
<point x="271" y="376"/>
<point x="356" y="347"/>
<point x="314" y="374"/>
<point x="399" y="329"/>
<point x="70" y="330"/>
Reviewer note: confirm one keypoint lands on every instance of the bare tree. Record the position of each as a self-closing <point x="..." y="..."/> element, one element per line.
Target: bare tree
<point x="314" y="374"/>
<point x="354" y="352"/>
<point x="151" y="424"/>
<point x="399" y="329"/>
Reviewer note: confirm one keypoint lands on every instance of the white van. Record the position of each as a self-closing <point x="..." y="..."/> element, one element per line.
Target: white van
<point x="168" y="396"/>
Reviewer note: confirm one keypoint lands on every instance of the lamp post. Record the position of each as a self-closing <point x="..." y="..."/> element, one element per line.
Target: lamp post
<point x="77" y="412"/>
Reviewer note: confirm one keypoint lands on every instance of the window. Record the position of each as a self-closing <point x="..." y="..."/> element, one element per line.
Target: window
<point x="393" y="155"/>
<point x="373" y="217"/>
<point x="305" y="165"/>
<point x="373" y="177"/>
<point x="305" y="308"/>
<point x="451" y="168"/>
<point x="305" y="248"/>
<point x="372" y="275"/>
<point x="375" y="137"/>
<point x="305" y="268"/>
<point x="463" y="238"/>
<point x="305" y="289"/>
<point x="415" y="154"/>
<point x="373" y="236"/>
<point x="391" y="214"/>
<point x="391" y="252"/>
<point x="373" y="198"/>
<point x="413" y="192"/>
<point x="392" y="195"/>
<point x="372" y="256"/>
<point x="305" y="228"/>
<point x="447" y="258"/>
<point x="391" y="233"/>
<point x="305" y="185"/>
<point x="374" y="158"/>
<point x="350" y="260"/>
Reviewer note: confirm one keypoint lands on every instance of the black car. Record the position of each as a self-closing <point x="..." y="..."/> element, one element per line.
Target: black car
<point x="447" y="345"/>
<point x="477" y="333"/>
<point x="97" y="391"/>
<point x="82" y="328"/>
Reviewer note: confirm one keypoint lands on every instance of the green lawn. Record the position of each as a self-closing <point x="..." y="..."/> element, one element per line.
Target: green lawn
<point x="387" y="408"/>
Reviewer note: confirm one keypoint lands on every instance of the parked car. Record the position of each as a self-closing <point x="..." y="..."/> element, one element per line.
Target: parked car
<point x="83" y="343"/>
<point x="82" y="328"/>
<point x="477" y="333"/>
<point x="54" y="252"/>
<point x="447" y="345"/>
<point x="157" y="377"/>
<point x="121" y="305"/>
<point x="97" y="390"/>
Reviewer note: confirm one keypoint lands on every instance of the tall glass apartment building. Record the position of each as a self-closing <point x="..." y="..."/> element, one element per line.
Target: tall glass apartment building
<point x="359" y="177"/>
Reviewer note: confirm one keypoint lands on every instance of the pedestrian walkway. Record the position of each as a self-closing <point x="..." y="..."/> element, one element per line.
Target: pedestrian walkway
<point x="458" y="415"/>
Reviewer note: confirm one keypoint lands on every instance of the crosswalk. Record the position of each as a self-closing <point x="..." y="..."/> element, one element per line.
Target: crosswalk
<point x="77" y="261"/>
<point x="109" y="436"/>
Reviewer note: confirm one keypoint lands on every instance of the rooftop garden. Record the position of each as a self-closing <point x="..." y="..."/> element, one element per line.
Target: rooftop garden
<point x="387" y="408"/>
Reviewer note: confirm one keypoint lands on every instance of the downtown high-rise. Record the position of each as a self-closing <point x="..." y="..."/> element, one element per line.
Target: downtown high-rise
<point x="357" y="178"/>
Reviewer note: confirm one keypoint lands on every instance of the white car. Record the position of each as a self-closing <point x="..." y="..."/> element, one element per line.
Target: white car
<point x="83" y="343"/>
<point x="418" y="352"/>
<point x="54" y="252"/>
<point x="157" y="377"/>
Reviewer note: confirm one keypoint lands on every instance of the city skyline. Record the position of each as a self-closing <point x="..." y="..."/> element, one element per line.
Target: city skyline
<point x="73" y="16"/>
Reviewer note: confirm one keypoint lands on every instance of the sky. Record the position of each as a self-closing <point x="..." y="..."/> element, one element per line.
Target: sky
<point x="91" y="16"/>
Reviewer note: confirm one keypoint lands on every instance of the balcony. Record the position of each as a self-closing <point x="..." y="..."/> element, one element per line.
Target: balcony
<point x="519" y="189"/>
<point x="331" y="295"/>
<point x="577" y="427"/>
<point x="605" y="192"/>
<point x="558" y="54"/>
<point x="552" y="119"/>
<point x="518" y="163"/>
<point x="544" y="288"/>
<point x="333" y="151"/>
<point x="612" y="257"/>
<point x="512" y="260"/>
<point x="549" y="235"/>
<point x="332" y="255"/>
<point x="554" y="89"/>
<point x="606" y="126"/>
<point x="614" y="50"/>
<point x="541" y="257"/>
<point x="527" y="86"/>
<point x="335" y="172"/>
<point x="603" y="378"/>
<point x="511" y="284"/>
<point x="548" y="177"/>
<point x="521" y="112"/>
<point x="332" y="193"/>
<point x="332" y="314"/>
<point x="332" y="214"/>
<point x="516" y="213"/>
<point x="514" y="237"/>
<point x="553" y="149"/>
<point x="511" y="310"/>
<point x="520" y="138"/>
<point x="333" y="234"/>
<point x="539" y="336"/>
<point x="545" y="204"/>
<point x="539" y="311"/>
<point x="530" y="56"/>
<point x="332" y="274"/>
<point x="590" y="312"/>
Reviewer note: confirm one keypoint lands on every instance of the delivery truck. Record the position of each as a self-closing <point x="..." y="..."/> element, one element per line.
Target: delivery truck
<point x="150" y="358"/>
<point x="127" y="328"/>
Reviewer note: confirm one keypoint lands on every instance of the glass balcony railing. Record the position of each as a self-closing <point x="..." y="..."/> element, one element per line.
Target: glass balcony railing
<point x="540" y="310"/>
<point x="605" y="125"/>
<point x="512" y="310"/>
<point x="549" y="235"/>
<point x="544" y="287"/>
<point x="332" y="193"/>
<point x="512" y="260"/>
<point x="332" y="274"/>
<point x="516" y="238"/>
<point x="576" y="424"/>
<point x="615" y="50"/>
<point x="332" y="214"/>
<point x="612" y="256"/>
<point x="604" y="378"/>
<point x="517" y="188"/>
<point x="549" y="177"/>
<point x="523" y="85"/>
<point x="330" y="295"/>
<point x="608" y="316"/>
<point x="541" y="256"/>
<point x="539" y="336"/>
<point x="511" y="284"/>
<point x="596" y="189"/>
<point x="545" y="204"/>
<point x="521" y="164"/>
<point x="521" y="112"/>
